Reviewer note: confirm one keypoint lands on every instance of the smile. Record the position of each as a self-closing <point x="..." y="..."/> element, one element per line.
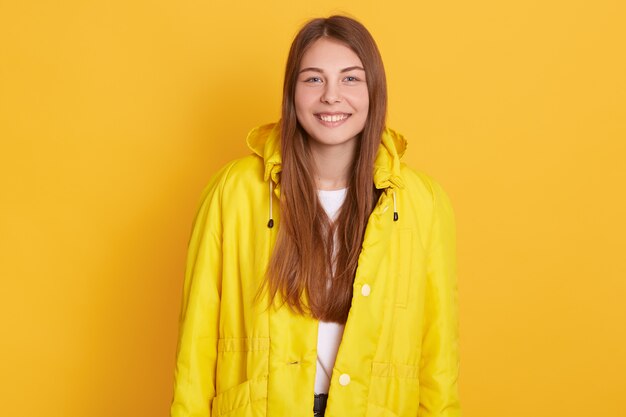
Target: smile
<point x="332" y="120"/>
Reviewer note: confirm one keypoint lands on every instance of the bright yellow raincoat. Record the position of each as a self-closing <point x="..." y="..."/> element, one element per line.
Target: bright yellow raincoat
<point x="399" y="355"/>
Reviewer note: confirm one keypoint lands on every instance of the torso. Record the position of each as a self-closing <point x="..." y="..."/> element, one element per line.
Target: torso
<point x="329" y="334"/>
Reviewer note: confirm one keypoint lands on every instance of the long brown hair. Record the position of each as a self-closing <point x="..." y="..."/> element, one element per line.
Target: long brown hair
<point x="302" y="259"/>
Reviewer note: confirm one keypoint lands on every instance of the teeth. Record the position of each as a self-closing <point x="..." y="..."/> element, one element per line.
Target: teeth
<point x="334" y="118"/>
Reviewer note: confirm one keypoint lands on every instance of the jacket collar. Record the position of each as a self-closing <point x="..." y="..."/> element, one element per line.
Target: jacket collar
<point x="264" y="141"/>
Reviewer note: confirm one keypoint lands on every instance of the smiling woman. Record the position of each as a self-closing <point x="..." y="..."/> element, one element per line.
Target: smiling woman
<point x="321" y="272"/>
<point x="331" y="96"/>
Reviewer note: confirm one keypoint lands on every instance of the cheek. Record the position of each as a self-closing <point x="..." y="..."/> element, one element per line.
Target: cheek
<point x="360" y="99"/>
<point x="302" y="98"/>
<point x="364" y="100"/>
<point x="361" y="103"/>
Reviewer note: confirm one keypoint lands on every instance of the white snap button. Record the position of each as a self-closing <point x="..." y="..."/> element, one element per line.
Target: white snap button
<point x="344" y="379"/>
<point x="365" y="290"/>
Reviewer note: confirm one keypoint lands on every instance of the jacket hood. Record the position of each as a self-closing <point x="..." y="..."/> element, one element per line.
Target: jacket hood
<point x="264" y="141"/>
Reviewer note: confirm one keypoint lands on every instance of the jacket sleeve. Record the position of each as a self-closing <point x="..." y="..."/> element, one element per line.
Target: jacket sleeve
<point x="196" y="353"/>
<point x="439" y="364"/>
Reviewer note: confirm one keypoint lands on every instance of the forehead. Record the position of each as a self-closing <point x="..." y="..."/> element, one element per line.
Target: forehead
<point x="329" y="53"/>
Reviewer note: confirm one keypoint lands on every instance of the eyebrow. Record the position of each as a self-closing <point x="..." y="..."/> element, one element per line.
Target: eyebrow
<point x="315" y="69"/>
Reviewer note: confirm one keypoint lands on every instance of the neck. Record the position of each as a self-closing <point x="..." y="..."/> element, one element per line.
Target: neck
<point x="332" y="164"/>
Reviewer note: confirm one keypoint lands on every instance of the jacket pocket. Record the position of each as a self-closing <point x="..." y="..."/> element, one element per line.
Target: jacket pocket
<point x="394" y="390"/>
<point x="247" y="399"/>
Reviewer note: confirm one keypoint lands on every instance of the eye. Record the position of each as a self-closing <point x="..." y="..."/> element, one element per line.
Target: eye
<point x="351" y="78"/>
<point x="311" y="79"/>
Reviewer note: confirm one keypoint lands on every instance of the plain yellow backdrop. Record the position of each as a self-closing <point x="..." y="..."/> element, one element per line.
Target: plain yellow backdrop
<point x="113" y="116"/>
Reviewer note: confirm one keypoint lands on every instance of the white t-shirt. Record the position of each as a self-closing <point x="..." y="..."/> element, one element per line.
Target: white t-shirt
<point x="329" y="334"/>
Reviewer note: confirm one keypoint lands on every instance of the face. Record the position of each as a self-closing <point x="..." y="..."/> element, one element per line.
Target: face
<point x="331" y="97"/>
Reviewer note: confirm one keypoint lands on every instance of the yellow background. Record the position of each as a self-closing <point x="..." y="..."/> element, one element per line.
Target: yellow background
<point x="114" y="114"/>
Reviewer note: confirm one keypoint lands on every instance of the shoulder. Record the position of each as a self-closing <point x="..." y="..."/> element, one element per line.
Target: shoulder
<point x="231" y="176"/>
<point x="245" y="168"/>
<point x="422" y="185"/>
<point x="428" y="200"/>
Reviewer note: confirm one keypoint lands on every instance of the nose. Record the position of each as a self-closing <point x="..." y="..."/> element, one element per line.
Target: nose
<point x="330" y="94"/>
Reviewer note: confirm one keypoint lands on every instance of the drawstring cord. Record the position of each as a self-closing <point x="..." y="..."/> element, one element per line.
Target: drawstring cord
<point x="395" y="208"/>
<point x="270" y="223"/>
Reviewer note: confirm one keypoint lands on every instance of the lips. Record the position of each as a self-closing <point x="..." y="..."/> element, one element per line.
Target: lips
<point x="332" y="117"/>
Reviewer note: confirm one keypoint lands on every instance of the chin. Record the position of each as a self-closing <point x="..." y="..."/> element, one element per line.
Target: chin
<point x="331" y="136"/>
<point x="333" y="140"/>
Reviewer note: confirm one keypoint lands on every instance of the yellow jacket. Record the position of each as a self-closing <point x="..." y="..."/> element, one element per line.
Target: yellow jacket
<point x="399" y="355"/>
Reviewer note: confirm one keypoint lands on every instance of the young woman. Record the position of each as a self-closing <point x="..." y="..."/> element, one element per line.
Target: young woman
<point x="321" y="274"/>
